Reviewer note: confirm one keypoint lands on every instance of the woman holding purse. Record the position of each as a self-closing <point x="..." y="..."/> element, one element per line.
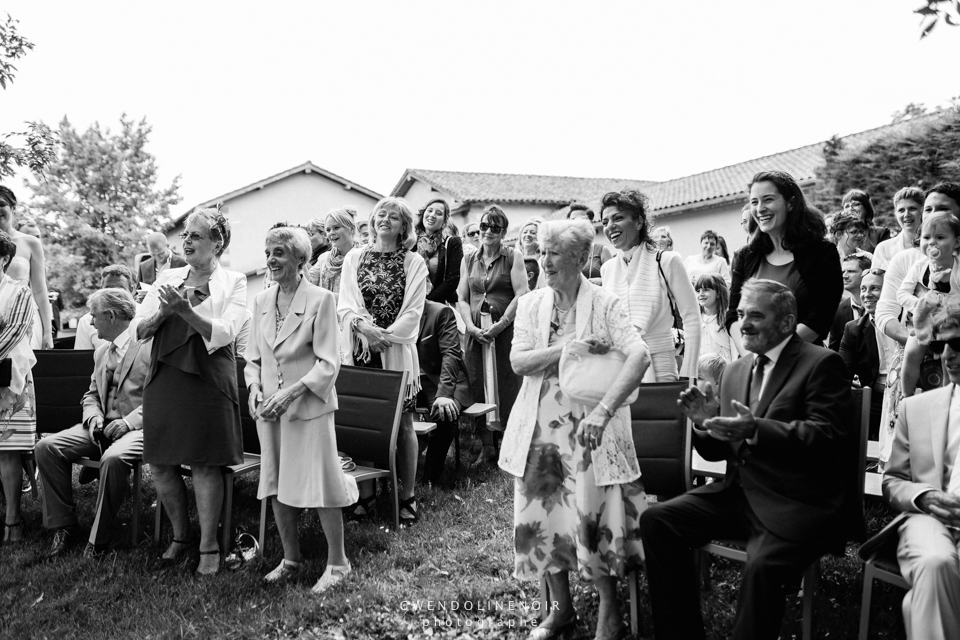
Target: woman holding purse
<point x="578" y="494"/>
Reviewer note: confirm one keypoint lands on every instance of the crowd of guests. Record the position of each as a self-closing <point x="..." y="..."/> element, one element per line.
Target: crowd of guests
<point x="777" y="334"/>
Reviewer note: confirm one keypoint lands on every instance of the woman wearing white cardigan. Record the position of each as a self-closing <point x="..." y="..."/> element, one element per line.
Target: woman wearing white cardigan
<point x="578" y="494"/>
<point x="643" y="278"/>
<point x="383" y="287"/>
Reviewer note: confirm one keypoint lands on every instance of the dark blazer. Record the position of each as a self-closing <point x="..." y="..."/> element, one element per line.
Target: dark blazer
<point x="859" y="350"/>
<point x="843" y="315"/>
<point x="439" y="351"/>
<point x="447" y="278"/>
<point x="133" y="370"/>
<point x="800" y="476"/>
<point x="147" y="271"/>
<point x="819" y="266"/>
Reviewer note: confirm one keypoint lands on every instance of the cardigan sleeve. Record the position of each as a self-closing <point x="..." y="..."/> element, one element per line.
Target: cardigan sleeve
<point x="907" y="292"/>
<point x="689" y="308"/>
<point x="887" y="307"/>
<point x="737" y="277"/>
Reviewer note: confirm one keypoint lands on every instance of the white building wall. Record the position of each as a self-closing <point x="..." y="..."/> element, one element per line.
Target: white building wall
<point x="686" y="227"/>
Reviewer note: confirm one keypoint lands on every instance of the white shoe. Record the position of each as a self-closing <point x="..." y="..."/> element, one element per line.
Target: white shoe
<point x="284" y="571"/>
<point x="331" y="577"/>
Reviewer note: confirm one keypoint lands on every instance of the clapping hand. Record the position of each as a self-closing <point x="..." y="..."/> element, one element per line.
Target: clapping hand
<point x="171" y="301"/>
<point x="699" y="404"/>
<point x="743" y="427"/>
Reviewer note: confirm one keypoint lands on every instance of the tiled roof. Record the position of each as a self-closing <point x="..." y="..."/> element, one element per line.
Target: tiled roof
<point x="731" y="181"/>
<point x="468" y="187"/>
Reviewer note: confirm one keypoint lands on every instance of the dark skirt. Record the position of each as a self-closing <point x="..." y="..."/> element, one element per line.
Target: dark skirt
<point x="186" y="420"/>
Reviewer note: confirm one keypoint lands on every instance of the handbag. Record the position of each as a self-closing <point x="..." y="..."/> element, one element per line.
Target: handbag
<point x="6" y="372"/>
<point x="678" y="336"/>
<point x="586" y="377"/>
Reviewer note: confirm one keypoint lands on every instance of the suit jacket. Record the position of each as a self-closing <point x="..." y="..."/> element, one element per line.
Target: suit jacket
<point x="147" y="270"/>
<point x="305" y="350"/>
<point x="919" y="446"/>
<point x="859" y="350"/>
<point x="133" y="370"/>
<point x="840" y="319"/>
<point x="439" y="350"/>
<point x="800" y="475"/>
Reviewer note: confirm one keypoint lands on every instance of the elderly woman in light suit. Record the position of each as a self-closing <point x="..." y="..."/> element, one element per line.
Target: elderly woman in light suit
<point x="578" y="494"/>
<point x="292" y="365"/>
<point x="191" y="405"/>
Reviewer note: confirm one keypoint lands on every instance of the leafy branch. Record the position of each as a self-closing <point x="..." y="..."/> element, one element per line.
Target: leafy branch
<point x="935" y="11"/>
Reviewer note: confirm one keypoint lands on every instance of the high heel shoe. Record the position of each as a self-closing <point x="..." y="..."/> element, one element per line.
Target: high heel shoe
<point x="168" y="557"/>
<point x="201" y="570"/>
<point x="555" y="630"/>
<point x="13" y="531"/>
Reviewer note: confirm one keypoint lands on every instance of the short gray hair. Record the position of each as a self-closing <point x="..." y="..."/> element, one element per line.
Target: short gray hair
<point x="117" y="300"/>
<point x="783" y="301"/>
<point x="295" y="240"/>
<point x="118" y="270"/>
<point x="573" y="237"/>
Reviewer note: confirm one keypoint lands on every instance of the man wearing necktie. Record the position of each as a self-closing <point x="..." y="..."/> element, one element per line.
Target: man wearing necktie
<point x="785" y="431"/>
<point x="110" y="430"/>
<point x="922" y="480"/>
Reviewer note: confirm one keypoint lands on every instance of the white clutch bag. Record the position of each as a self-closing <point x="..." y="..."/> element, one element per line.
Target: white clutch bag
<point x="586" y="377"/>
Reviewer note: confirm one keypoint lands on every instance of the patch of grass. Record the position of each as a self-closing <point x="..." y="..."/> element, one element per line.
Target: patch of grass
<point x="459" y="557"/>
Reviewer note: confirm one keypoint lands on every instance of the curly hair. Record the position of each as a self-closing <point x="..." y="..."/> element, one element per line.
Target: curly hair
<point x="216" y="224"/>
<point x="861" y="196"/>
<point x="634" y="202"/>
<point x="804" y="223"/>
<point x="845" y="222"/>
<point x="579" y="206"/>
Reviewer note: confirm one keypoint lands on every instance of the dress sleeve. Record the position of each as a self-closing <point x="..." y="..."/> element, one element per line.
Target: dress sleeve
<point x="226" y="327"/>
<point x="18" y="323"/>
<point x="406" y="328"/>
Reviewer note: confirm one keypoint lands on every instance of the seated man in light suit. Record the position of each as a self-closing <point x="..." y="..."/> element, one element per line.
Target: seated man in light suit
<point x="790" y="486"/>
<point x="111" y="406"/>
<point x="922" y="479"/>
<point x="443" y="379"/>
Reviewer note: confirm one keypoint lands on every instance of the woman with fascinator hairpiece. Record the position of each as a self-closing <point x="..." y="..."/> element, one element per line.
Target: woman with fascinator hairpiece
<point x="191" y="410"/>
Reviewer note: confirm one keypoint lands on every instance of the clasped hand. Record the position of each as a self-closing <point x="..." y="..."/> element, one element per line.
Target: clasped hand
<point x="376" y="337"/>
<point x="701" y="406"/>
<point x="171" y="301"/>
<point x="275" y="406"/>
<point x="943" y="506"/>
<point x="591" y="428"/>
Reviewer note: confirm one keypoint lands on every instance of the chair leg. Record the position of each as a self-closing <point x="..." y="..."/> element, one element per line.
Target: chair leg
<point x="456" y="447"/>
<point x="135" y="515"/>
<point x="703" y="561"/>
<point x="158" y="521"/>
<point x="263" y="523"/>
<point x="396" y="498"/>
<point x="226" y="513"/>
<point x="810" y="579"/>
<point x="633" y="580"/>
<point x="544" y="597"/>
<point x="865" y="601"/>
<point x="30" y="466"/>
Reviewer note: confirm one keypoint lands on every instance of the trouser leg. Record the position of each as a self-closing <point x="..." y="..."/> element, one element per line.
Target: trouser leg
<point x="55" y="455"/>
<point x="114" y="486"/>
<point x="929" y="561"/>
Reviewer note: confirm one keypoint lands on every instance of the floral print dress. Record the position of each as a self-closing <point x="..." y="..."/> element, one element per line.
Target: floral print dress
<point x="382" y="282"/>
<point x="563" y="520"/>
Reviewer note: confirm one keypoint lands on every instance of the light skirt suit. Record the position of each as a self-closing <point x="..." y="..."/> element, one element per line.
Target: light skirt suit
<point x="299" y="462"/>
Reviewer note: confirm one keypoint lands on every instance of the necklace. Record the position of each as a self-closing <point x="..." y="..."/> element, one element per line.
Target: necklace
<point x="561" y="314"/>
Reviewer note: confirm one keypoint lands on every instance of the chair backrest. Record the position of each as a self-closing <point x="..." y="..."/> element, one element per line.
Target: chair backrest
<point x="661" y="435"/>
<point x="251" y="440"/>
<point x="861" y="421"/>
<point x="368" y="419"/>
<point x="60" y="378"/>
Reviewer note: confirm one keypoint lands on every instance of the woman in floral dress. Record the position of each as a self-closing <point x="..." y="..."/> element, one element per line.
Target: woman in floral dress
<point x="578" y="494"/>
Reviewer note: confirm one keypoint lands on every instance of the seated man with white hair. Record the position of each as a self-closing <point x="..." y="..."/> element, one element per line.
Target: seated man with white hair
<point x="922" y="480"/>
<point x="110" y="431"/>
<point x="114" y="276"/>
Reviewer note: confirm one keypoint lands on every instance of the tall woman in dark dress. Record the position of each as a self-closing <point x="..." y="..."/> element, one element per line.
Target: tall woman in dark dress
<point x="441" y="251"/>
<point x="191" y="411"/>
<point x="788" y="247"/>
<point x="491" y="280"/>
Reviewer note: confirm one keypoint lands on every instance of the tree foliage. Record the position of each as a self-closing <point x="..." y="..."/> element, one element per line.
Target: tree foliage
<point x="918" y="156"/>
<point x="38" y="140"/>
<point x="934" y="11"/>
<point x="97" y="200"/>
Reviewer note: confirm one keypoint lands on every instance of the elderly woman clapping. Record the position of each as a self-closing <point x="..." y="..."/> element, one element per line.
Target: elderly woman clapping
<point x="292" y="365"/>
<point x="191" y="405"/>
<point x="578" y="495"/>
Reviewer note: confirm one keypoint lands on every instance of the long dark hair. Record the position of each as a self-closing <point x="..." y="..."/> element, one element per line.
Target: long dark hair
<point x="804" y="223"/>
<point x="718" y="284"/>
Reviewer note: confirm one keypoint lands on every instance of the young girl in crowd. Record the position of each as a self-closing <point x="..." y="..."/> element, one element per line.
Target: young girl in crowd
<point x="714" y="298"/>
<point x="928" y="278"/>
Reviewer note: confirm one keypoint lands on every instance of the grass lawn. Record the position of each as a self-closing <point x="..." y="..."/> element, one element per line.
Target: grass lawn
<point x="459" y="556"/>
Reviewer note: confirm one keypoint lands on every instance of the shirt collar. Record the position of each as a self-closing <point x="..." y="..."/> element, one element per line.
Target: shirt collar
<point x="774" y="353"/>
<point x="121" y="340"/>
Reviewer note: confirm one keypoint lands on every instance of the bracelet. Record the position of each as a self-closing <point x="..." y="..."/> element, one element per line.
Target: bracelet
<point x="606" y="409"/>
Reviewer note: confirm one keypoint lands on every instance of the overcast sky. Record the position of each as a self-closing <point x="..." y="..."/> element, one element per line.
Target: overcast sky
<point x="237" y="91"/>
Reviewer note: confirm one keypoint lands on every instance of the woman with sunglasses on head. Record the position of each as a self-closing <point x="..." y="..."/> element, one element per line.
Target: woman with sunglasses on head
<point x="650" y="281"/>
<point x="858" y="203"/>
<point x="599" y="253"/>
<point x="491" y="281"/>
<point x="441" y="250"/>
<point x="788" y="247"/>
<point x="191" y="405"/>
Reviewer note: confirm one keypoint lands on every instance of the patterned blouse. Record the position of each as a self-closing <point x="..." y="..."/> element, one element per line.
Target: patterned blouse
<point x="382" y="283"/>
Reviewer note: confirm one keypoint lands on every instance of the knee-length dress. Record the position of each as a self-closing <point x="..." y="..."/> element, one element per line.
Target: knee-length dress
<point x="563" y="520"/>
<point x="18" y="417"/>
<point x="191" y="406"/>
<point x="491" y="291"/>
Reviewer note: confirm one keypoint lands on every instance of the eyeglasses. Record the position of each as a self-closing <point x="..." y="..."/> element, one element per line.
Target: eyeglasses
<point x="492" y="228"/>
<point x="937" y="345"/>
<point x="193" y="236"/>
<point x="472" y="234"/>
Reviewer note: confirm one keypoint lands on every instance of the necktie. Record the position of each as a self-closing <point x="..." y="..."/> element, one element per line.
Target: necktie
<point x="113" y="359"/>
<point x="756" y="382"/>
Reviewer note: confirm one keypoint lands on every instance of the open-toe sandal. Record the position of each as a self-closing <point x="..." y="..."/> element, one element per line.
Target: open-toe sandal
<point x="361" y="509"/>
<point x="164" y="560"/>
<point x="216" y="569"/>
<point x="8" y="531"/>
<point x="409" y="506"/>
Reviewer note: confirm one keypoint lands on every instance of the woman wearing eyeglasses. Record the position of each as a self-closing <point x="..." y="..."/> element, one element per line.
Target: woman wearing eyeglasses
<point x="858" y="203"/>
<point x="191" y="406"/>
<point x="491" y="280"/>
<point x="849" y="233"/>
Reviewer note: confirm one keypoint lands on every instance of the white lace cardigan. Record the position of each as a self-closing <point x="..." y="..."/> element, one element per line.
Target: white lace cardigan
<point x="599" y="313"/>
